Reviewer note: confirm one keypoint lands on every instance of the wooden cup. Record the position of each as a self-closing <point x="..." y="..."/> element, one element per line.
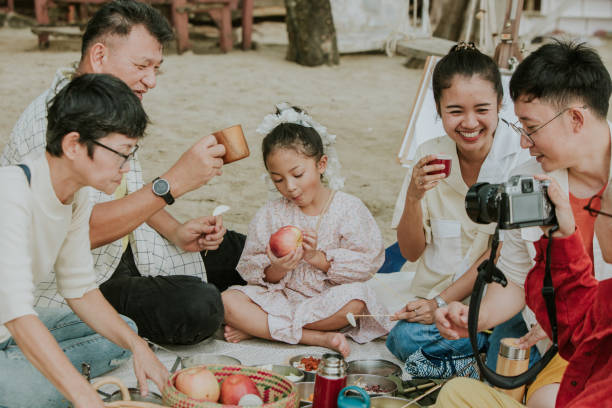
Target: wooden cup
<point x="236" y="147"/>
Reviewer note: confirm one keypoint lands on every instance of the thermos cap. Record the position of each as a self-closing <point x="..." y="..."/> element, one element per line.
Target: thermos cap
<point x="333" y="365"/>
<point x="509" y="348"/>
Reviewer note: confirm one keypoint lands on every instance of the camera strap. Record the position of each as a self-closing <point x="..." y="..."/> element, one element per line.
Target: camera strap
<point x="488" y="273"/>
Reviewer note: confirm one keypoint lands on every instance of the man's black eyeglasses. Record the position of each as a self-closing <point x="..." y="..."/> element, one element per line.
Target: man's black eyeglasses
<point x="518" y="129"/>
<point x="126" y="157"/>
<point x="595" y="201"/>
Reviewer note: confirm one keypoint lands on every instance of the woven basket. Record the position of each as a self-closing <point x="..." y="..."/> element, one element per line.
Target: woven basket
<point x="275" y="390"/>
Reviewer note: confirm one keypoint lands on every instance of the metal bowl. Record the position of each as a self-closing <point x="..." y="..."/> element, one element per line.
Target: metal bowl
<point x="207" y="359"/>
<point x="308" y="375"/>
<point x="304" y="391"/>
<point x="384" y="368"/>
<point x="391" y="402"/>
<point x="135" y="396"/>
<point x="289" y="372"/>
<point x="365" y="380"/>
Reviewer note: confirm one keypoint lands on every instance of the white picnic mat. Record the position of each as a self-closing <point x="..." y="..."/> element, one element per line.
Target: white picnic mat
<point x="259" y="352"/>
<point x="253" y="352"/>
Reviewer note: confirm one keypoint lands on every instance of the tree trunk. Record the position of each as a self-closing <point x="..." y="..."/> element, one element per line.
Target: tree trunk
<point x="450" y="16"/>
<point x="311" y="32"/>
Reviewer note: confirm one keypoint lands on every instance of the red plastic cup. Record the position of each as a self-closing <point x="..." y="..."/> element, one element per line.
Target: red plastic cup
<point x="444" y="159"/>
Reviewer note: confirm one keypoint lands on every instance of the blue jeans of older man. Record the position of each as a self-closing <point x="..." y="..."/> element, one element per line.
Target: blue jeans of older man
<point x="22" y="385"/>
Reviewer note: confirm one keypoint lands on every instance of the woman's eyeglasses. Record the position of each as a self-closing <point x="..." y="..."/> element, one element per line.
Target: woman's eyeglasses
<point x="593" y="207"/>
<point x="126" y="157"/>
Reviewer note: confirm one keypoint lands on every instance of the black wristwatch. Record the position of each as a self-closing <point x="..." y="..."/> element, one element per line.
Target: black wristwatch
<point x="161" y="188"/>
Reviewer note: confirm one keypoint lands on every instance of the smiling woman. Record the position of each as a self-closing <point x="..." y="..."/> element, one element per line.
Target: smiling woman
<point x="434" y="228"/>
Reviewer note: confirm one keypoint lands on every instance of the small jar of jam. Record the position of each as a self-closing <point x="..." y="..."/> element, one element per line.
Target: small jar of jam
<point x="330" y="379"/>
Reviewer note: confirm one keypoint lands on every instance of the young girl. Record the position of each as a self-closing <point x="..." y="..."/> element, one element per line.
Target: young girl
<point x="434" y="229"/>
<point x="304" y="297"/>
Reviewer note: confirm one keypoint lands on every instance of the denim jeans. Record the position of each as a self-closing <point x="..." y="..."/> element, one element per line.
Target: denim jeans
<point x="407" y="338"/>
<point x="393" y="259"/>
<point x="23" y="386"/>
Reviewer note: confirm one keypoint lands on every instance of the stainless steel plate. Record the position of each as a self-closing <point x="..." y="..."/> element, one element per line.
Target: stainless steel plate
<point x="295" y="361"/>
<point x="304" y="391"/>
<point x="376" y="367"/>
<point x="289" y="372"/>
<point x="388" y="387"/>
<point x="135" y="396"/>
<point x="207" y="359"/>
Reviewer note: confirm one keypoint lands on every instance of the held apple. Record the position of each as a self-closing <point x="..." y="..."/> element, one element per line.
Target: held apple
<point x="235" y="387"/>
<point x="198" y="383"/>
<point x="285" y="240"/>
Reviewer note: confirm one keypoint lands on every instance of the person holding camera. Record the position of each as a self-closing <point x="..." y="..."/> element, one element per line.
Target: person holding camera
<point x="582" y="302"/>
<point x="561" y="95"/>
<point x="434" y="228"/>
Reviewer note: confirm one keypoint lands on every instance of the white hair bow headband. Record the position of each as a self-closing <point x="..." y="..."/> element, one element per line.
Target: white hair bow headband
<point x="289" y="115"/>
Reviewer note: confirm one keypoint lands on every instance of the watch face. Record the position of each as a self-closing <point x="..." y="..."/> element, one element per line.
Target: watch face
<point x="161" y="187"/>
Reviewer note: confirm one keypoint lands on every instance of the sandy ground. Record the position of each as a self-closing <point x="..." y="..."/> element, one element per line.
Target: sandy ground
<point x="365" y="101"/>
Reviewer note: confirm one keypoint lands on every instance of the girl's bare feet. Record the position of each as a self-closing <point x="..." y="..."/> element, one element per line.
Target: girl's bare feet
<point x="337" y="341"/>
<point x="233" y="335"/>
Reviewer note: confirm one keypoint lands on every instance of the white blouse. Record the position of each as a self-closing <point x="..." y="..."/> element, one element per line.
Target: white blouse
<point x="453" y="241"/>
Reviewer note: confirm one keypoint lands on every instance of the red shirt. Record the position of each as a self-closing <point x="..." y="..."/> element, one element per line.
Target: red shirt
<point x="584" y="221"/>
<point x="584" y="317"/>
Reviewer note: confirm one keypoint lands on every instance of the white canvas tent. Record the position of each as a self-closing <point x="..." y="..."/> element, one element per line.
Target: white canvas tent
<point x="369" y="25"/>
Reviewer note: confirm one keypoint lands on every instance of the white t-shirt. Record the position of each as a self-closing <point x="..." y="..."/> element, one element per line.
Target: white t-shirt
<point x="40" y="234"/>
<point x="453" y="241"/>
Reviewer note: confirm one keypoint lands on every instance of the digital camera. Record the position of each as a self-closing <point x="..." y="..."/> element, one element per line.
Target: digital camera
<point x="520" y="202"/>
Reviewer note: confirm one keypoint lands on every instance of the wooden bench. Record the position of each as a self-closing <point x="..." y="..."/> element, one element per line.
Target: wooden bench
<point x="10" y="6"/>
<point x="219" y="10"/>
<point x="221" y="13"/>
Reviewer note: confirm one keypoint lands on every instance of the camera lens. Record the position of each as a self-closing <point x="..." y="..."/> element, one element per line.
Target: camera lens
<point x="481" y="203"/>
<point x="527" y="186"/>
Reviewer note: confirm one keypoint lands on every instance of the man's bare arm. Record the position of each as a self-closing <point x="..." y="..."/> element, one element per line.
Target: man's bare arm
<point x="114" y="219"/>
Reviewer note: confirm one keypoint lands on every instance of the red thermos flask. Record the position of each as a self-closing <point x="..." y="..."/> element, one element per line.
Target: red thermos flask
<point x="330" y="379"/>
